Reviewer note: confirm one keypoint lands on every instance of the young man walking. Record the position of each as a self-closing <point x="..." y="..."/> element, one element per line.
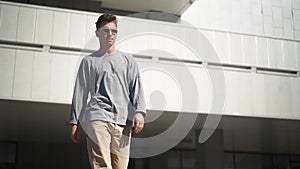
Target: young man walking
<point x="109" y="97"/>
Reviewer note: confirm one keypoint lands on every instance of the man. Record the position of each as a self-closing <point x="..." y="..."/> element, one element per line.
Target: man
<point x="108" y="99"/>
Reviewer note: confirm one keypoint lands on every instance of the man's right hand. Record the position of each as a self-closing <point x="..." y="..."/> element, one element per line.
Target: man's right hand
<point x="74" y="133"/>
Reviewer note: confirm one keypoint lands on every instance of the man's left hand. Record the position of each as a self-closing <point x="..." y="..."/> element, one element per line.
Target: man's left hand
<point x="138" y="122"/>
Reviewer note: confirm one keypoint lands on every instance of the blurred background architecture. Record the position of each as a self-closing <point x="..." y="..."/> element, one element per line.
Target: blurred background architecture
<point x="253" y="44"/>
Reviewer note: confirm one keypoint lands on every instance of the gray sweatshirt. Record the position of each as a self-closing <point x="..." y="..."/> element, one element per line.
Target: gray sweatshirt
<point x="107" y="88"/>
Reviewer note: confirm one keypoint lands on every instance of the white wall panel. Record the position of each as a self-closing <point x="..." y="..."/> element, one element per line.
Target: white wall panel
<point x="91" y="40"/>
<point x="257" y="19"/>
<point x="296" y="13"/>
<point x="205" y="89"/>
<point x="276" y="3"/>
<point x="267" y="2"/>
<point x="297" y="35"/>
<point x="287" y="8"/>
<point x="272" y="96"/>
<point x="239" y="99"/>
<point x="77" y="31"/>
<point x="93" y="44"/>
<point x="222" y="47"/>
<point x="7" y="66"/>
<point x="287" y="12"/>
<point x="168" y="94"/>
<point x="267" y="8"/>
<point x="90" y="27"/>
<point x="275" y="53"/>
<point x="285" y="93"/>
<point x="23" y="74"/>
<point x="232" y="98"/>
<point x="246" y="23"/>
<point x="238" y="93"/>
<point x="249" y="50"/>
<point x="278" y="94"/>
<point x="44" y="27"/>
<point x="181" y="92"/>
<point x="290" y="57"/>
<point x="26" y="24"/>
<point x="74" y="62"/>
<point x="193" y="43"/>
<point x="143" y="45"/>
<point x="236" y="13"/>
<point x="41" y="76"/>
<point x="259" y="94"/>
<point x="245" y="6"/>
<point x="225" y="4"/>
<point x="268" y="25"/>
<point x="199" y="20"/>
<point x="257" y="29"/>
<point x="278" y="32"/>
<point x="209" y="35"/>
<point x="295" y="91"/>
<point x="226" y="19"/>
<point x="61" y="27"/>
<point x="236" y="49"/>
<point x="256" y="7"/>
<point x="288" y="28"/>
<point x="236" y="26"/>
<point x="8" y="22"/>
<point x="126" y="45"/>
<point x="262" y="52"/>
<point x="268" y="17"/>
<point x="59" y="76"/>
<point x="277" y="17"/>
<point x="245" y="93"/>
<point x="191" y="39"/>
<point x="296" y="4"/>
<point x="213" y="14"/>
<point x="125" y="24"/>
<point x="297" y="52"/>
<point x="151" y="39"/>
<point x="194" y="19"/>
<point x="174" y="48"/>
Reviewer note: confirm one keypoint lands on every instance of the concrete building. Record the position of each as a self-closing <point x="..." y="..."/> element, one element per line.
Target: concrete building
<point x="221" y="78"/>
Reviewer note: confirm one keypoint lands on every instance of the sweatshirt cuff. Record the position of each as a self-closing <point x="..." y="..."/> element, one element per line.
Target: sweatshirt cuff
<point x="143" y="112"/>
<point x="74" y="123"/>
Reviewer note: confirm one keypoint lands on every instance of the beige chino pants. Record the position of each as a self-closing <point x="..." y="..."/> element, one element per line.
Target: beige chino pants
<point x="108" y="145"/>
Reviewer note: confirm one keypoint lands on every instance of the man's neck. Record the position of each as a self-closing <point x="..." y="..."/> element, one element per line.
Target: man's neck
<point x="109" y="51"/>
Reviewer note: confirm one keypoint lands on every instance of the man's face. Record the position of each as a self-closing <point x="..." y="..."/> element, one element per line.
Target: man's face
<point x="107" y="34"/>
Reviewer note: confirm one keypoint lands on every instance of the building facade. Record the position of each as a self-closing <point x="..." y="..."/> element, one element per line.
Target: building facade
<point x="221" y="79"/>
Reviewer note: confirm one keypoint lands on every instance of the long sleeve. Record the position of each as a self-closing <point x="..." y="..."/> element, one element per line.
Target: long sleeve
<point x="137" y="97"/>
<point x="81" y="91"/>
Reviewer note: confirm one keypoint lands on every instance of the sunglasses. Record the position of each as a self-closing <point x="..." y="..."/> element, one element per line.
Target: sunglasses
<point x="113" y="31"/>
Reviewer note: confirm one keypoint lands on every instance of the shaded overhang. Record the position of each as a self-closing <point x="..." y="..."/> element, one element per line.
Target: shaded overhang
<point x="174" y="7"/>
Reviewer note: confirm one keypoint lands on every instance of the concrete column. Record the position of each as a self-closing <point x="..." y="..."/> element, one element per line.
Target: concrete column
<point x="210" y="154"/>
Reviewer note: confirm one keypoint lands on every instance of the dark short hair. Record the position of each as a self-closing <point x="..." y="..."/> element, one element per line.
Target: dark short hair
<point x="104" y="19"/>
